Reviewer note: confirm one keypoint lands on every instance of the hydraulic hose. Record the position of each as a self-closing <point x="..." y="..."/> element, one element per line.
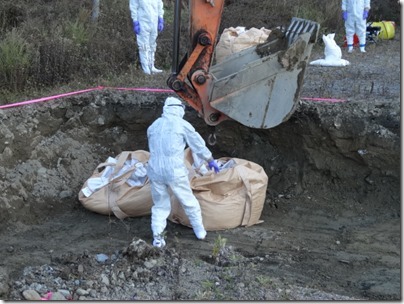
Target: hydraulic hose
<point x="176" y="40"/>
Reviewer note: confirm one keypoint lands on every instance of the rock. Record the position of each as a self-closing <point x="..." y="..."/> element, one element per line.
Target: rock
<point x="121" y="275"/>
<point x="82" y="292"/>
<point x="93" y="293"/>
<point x="57" y="296"/>
<point x="104" y="289"/>
<point x="65" y="293"/>
<point x="3" y="282"/>
<point x="80" y="268"/>
<point x="139" y="250"/>
<point x="31" y="295"/>
<point x="104" y="279"/>
<point x="65" y="194"/>
<point x="42" y="171"/>
<point x="101" y="257"/>
<point x="7" y="153"/>
<point x="89" y="283"/>
<point x="150" y="264"/>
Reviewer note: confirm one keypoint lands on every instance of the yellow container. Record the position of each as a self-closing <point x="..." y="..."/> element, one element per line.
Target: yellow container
<point x="387" y="29"/>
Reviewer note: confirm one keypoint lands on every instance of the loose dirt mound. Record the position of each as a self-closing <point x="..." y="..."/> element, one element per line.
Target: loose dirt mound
<point x="331" y="220"/>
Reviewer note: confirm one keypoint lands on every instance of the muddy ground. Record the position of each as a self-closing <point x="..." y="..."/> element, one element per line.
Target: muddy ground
<point x="332" y="215"/>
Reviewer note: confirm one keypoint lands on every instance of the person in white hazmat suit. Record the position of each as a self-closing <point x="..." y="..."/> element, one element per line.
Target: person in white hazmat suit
<point x="167" y="138"/>
<point x="355" y="13"/>
<point x="148" y="21"/>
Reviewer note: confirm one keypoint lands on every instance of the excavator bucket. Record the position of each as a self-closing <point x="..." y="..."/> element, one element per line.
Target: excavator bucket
<point x="259" y="87"/>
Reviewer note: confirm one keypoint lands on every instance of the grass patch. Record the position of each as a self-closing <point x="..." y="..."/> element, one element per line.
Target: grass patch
<point x="15" y="60"/>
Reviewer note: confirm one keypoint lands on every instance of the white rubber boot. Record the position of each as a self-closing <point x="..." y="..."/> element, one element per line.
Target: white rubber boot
<point x="154" y="70"/>
<point x="144" y="62"/>
<point x="158" y="241"/>
<point x="200" y="233"/>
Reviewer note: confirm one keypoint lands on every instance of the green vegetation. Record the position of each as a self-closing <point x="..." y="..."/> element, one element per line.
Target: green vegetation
<point x="264" y="280"/>
<point x="15" y="58"/>
<point x="219" y="246"/>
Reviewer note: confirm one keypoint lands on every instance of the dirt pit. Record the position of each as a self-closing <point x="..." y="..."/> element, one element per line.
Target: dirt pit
<point x="332" y="215"/>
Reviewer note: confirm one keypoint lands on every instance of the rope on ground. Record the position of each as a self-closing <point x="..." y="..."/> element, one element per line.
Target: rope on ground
<point x="154" y="90"/>
<point x="17" y="104"/>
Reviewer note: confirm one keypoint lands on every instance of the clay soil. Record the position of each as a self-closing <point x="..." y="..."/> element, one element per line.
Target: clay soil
<point x="331" y="220"/>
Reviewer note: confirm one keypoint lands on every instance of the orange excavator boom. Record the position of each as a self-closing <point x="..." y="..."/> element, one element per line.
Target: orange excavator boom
<point x="258" y="87"/>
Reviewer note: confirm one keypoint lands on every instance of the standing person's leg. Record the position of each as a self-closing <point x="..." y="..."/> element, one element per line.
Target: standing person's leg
<point x="143" y="44"/>
<point x="153" y="47"/>
<point x="160" y="211"/>
<point x="144" y="55"/>
<point x="350" y="32"/>
<point x="182" y="190"/>
<point x="361" y="32"/>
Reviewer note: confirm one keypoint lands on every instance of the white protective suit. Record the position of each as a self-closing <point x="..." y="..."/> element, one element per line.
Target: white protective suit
<point x="355" y="24"/>
<point x="168" y="137"/>
<point x="147" y="13"/>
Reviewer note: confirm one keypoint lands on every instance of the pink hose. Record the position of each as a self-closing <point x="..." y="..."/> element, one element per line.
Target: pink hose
<point x="154" y="90"/>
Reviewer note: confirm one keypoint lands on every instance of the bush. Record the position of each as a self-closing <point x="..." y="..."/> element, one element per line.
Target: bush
<point x="56" y="62"/>
<point x="15" y="60"/>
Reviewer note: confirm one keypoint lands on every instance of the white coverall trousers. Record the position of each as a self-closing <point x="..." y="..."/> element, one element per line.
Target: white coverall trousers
<point x="355" y="24"/>
<point x="146" y="42"/>
<point x="162" y="207"/>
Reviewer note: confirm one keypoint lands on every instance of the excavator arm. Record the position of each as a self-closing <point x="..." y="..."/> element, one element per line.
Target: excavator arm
<point x="258" y="87"/>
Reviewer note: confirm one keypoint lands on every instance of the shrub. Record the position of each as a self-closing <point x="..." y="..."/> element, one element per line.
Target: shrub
<point x="11" y="16"/>
<point x="77" y="32"/>
<point x="56" y="61"/>
<point x="15" y="59"/>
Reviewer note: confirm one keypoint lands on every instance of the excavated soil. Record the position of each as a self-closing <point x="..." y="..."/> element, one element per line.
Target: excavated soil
<point x="332" y="215"/>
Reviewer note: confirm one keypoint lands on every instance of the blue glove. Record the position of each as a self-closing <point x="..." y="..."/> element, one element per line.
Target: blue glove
<point x="345" y="15"/>
<point x="160" y="25"/>
<point x="136" y="27"/>
<point x="365" y="14"/>
<point x="213" y="165"/>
